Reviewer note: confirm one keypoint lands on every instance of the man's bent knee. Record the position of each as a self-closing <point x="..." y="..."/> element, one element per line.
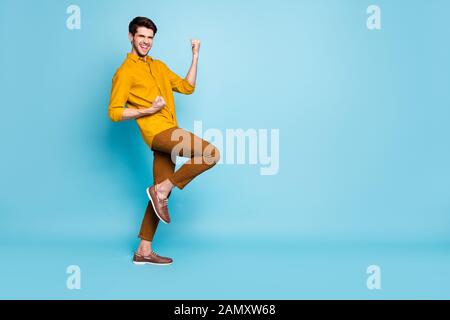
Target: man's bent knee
<point x="212" y="155"/>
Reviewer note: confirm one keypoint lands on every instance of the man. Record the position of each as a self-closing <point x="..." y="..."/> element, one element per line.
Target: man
<point x="145" y="85"/>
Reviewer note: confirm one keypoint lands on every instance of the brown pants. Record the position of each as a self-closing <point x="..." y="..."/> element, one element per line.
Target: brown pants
<point x="176" y="142"/>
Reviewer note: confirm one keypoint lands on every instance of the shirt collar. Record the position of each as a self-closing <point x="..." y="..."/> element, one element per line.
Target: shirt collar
<point x="136" y="58"/>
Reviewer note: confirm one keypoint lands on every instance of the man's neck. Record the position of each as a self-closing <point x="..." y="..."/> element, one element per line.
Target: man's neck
<point x="137" y="54"/>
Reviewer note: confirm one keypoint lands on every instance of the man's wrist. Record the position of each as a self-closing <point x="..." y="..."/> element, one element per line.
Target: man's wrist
<point x="146" y="111"/>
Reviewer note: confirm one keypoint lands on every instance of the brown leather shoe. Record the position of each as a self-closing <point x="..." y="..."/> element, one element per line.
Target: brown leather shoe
<point x="159" y="205"/>
<point x="152" y="258"/>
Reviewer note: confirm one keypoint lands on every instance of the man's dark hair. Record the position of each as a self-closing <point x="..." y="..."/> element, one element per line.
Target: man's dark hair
<point x="141" y="22"/>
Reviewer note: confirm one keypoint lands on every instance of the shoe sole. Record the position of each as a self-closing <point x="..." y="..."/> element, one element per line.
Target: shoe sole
<point x="153" y="205"/>
<point x="156" y="264"/>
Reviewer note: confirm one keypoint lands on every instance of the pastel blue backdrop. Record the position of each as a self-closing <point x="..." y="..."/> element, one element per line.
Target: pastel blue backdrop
<point x="364" y="175"/>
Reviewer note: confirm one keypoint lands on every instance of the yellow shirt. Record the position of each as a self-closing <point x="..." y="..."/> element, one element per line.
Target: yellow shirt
<point x="136" y="83"/>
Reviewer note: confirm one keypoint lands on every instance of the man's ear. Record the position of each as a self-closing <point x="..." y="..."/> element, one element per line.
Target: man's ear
<point x="130" y="36"/>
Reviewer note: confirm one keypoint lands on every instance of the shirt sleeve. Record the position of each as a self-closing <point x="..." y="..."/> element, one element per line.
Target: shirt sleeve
<point x="178" y="84"/>
<point x="121" y="85"/>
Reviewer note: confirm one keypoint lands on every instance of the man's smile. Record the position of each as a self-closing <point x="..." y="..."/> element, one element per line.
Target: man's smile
<point x="144" y="47"/>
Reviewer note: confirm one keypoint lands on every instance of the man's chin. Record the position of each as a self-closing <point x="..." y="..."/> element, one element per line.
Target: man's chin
<point x="141" y="53"/>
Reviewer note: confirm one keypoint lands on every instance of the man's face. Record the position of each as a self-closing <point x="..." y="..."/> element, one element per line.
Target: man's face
<point x="142" y="41"/>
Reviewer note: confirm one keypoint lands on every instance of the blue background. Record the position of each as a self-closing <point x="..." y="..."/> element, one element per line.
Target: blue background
<point x="364" y="156"/>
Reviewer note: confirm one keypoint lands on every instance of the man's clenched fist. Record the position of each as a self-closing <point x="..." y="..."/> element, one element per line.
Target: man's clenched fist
<point x="195" y="46"/>
<point x="158" y="103"/>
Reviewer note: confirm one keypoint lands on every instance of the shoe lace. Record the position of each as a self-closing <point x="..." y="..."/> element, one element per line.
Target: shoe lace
<point x="165" y="201"/>
<point x="155" y="254"/>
